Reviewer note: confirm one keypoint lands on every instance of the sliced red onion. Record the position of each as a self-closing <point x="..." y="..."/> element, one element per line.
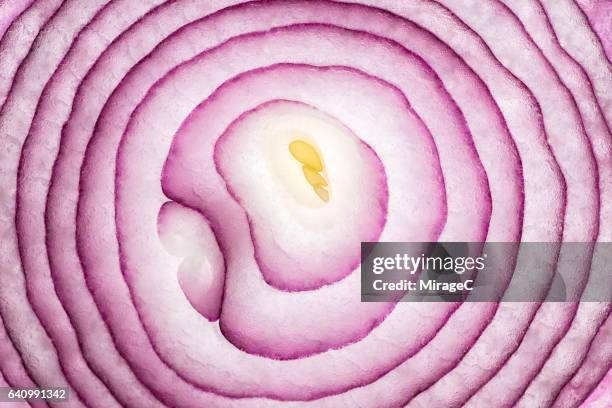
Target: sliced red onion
<point x="165" y="246"/>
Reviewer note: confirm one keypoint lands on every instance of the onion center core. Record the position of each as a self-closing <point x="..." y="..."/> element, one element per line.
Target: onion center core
<point x="312" y="166"/>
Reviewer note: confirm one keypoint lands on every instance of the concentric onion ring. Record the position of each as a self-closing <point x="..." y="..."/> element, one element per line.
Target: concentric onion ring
<point x="162" y="247"/>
